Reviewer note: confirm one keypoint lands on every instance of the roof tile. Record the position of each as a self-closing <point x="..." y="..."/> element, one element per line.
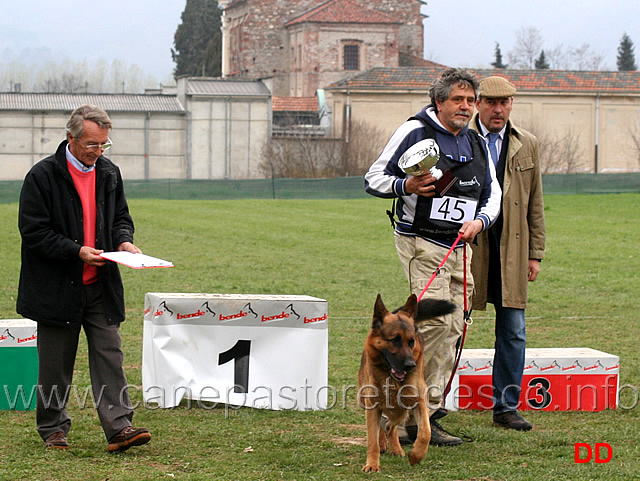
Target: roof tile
<point x="384" y="78"/>
<point x="295" y="104"/>
<point x="343" y="11"/>
<point x="109" y="102"/>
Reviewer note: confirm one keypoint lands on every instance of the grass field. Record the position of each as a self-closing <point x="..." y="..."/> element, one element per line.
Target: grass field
<point x="342" y="251"/>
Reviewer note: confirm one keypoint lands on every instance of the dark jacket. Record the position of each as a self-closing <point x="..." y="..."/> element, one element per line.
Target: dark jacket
<point x="50" y="222"/>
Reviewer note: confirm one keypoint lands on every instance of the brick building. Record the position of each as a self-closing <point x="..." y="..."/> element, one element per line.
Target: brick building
<point x="304" y="45"/>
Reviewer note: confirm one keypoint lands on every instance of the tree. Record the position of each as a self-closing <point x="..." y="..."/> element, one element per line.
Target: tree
<point x="626" y="59"/>
<point x="541" y="62"/>
<point x="307" y="155"/>
<point x="527" y="48"/>
<point x="561" y="151"/>
<point x="527" y="54"/>
<point x="583" y="58"/>
<point x="75" y="77"/>
<point x="198" y="40"/>
<point x="580" y="58"/>
<point x="498" y="63"/>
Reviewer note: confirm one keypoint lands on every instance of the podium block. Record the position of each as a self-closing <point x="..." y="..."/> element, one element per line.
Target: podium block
<point x="555" y="379"/>
<point x="19" y="361"/>
<point x="259" y="351"/>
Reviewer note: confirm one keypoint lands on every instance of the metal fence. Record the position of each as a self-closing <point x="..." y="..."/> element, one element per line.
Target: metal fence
<point x="333" y="188"/>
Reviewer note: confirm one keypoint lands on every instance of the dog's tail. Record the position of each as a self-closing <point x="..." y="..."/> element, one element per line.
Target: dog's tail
<point x="430" y="308"/>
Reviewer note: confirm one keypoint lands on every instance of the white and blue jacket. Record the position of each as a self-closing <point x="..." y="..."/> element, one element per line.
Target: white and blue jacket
<point x="387" y="180"/>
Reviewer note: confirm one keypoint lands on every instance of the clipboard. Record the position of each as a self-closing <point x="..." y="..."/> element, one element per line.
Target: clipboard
<point x="135" y="261"/>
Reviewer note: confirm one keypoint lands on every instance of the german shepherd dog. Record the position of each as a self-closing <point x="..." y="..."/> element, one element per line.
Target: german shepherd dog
<point x="391" y="379"/>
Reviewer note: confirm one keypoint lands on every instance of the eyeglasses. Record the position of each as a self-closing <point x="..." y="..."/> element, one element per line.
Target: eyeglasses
<point x="93" y="147"/>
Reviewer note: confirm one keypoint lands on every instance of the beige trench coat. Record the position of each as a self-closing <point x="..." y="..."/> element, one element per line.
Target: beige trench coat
<point x="523" y="232"/>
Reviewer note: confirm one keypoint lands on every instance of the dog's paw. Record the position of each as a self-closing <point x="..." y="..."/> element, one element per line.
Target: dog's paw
<point x="397" y="452"/>
<point x="414" y="459"/>
<point x="371" y="468"/>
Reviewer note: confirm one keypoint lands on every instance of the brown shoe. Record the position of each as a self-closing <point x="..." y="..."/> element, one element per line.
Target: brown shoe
<point x="128" y="437"/>
<point x="56" y="441"/>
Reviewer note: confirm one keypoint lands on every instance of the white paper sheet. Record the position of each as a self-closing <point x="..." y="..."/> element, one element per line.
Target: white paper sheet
<point x="135" y="261"/>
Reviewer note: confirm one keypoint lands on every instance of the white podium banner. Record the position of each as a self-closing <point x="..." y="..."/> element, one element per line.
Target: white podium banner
<point x="18" y="333"/>
<point x="266" y="352"/>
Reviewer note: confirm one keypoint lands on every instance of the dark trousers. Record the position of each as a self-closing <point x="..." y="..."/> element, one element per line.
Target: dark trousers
<point x="57" y="347"/>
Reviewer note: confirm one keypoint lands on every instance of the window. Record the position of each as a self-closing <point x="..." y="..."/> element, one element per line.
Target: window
<point x="351" y="57"/>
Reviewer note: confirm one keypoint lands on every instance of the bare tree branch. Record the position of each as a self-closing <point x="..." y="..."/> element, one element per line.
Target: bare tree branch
<point x="308" y="156"/>
<point x="559" y="151"/>
<point x="527" y="48"/>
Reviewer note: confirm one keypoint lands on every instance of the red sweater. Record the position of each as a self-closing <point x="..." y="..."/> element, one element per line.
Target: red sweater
<point x="85" y="183"/>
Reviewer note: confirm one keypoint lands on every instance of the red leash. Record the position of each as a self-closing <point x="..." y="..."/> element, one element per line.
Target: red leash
<point x="467" y="322"/>
<point x="437" y="271"/>
<point x="467" y="314"/>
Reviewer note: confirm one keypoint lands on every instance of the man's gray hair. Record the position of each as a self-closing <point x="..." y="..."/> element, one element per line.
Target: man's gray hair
<point x="75" y="124"/>
<point x="450" y="78"/>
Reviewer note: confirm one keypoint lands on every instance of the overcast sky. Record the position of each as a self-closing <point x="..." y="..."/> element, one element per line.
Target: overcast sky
<point x="463" y="33"/>
<point x="136" y="32"/>
<point x="457" y="33"/>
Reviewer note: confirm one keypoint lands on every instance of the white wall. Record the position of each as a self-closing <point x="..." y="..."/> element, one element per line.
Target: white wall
<point x="144" y="145"/>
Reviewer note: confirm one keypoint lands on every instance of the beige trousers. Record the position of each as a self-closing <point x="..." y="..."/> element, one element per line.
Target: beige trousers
<point x="420" y="259"/>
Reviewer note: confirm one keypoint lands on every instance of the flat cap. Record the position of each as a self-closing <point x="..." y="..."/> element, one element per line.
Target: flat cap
<point x="496" y="87"/>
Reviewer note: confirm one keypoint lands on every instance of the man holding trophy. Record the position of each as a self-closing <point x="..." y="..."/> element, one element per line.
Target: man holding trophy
<point x="438" y="173"/>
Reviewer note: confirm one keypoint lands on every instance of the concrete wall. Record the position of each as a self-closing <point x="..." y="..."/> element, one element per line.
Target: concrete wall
<point x="602" y="125"/>
<point x="25" y="138"/>
<point x="145" y="146"/>
<point x="216" y="136"/>
<point x="149" y="146"/>
<point x="222" y="137"/>
<point x="227" y="136"/>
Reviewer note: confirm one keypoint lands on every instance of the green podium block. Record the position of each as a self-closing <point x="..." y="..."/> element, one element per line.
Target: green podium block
<point x="19" y="361"/>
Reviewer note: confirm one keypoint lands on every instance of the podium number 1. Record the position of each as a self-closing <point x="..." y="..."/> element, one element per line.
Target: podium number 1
<point x="240" y="352"/>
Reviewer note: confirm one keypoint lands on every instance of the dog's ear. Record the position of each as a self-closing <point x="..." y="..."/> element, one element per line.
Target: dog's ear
<point x="411" y="306"/>
<point x="379" y="312"/>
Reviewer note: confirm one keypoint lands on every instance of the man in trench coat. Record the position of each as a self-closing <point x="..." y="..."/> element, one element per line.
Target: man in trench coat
<point x="508" y="255"/>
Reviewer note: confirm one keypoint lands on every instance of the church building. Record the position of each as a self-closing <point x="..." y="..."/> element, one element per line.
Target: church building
<point x="303" y="45"/>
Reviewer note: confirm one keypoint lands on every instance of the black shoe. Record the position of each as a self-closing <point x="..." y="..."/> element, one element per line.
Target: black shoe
<point x="440" y="437"/>
<point x="511" y="420"/>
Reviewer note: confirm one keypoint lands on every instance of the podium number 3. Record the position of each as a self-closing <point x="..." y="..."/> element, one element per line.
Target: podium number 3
<point x="542" y="386"/>
<point x="240" y="353"/>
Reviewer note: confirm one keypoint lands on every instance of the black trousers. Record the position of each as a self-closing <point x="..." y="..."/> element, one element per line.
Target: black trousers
<point x="57" y="347"/>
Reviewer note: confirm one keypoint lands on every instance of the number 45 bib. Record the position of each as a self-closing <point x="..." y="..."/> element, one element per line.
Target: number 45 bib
<point x="453" y="209"/>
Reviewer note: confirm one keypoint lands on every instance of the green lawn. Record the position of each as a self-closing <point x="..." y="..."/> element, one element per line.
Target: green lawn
<point x="342" y="251"/>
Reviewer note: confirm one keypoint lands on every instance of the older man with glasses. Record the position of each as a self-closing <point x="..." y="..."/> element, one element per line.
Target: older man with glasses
<point x="73" y="208"/>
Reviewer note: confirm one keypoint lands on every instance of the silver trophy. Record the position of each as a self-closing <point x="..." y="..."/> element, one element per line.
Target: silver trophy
<point x="421" y="158"/>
